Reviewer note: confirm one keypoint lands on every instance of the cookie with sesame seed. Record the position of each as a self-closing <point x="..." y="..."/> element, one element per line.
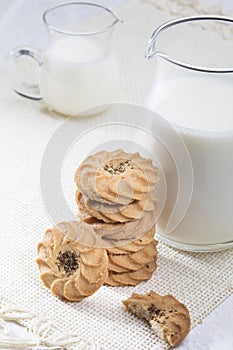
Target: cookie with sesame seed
<point x="168" y="317"/>
<point x="71" y="270"/>
<point x="116" y="177"/>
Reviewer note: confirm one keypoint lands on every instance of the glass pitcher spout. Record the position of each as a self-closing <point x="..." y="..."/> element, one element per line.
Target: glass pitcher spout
<point x="154" y="49"/>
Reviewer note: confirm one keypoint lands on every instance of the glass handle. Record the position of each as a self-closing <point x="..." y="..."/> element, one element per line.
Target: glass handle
<point x="26" y="63"/>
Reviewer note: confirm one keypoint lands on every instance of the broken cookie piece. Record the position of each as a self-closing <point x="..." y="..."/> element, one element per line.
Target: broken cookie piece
<point x="168" y="318"/>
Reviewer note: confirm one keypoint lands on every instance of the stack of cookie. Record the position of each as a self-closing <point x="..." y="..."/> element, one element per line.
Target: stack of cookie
<point x="113" y="244"/>
<point x="117" y="204"/>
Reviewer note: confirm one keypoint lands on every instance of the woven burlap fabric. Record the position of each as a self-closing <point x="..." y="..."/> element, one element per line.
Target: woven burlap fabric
<point x="201" y="281"/>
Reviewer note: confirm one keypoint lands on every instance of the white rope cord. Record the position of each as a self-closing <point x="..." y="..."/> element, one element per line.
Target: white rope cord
<point x="42" y="334"/>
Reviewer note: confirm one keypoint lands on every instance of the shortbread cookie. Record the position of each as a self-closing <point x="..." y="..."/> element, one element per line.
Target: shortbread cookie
<point x="168" y="318"/>
<point x="71" y="270"/>
<point x="131" y="230"/>
<point x="83" y="234"/>
<point x="131" y="278"/>
<point x="116" y="177"/>
<point x="118" y="212"/>
<point x="131" y="247"/>
<point x="133" y="261"/>
<point x="86" y="233"/>
<point x="84" y="213"/>
<point x="89" y="233"/>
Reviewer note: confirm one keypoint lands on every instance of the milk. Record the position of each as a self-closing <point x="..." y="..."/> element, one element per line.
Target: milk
<point x="78" y="73"/>
<point x="200" y="106"/>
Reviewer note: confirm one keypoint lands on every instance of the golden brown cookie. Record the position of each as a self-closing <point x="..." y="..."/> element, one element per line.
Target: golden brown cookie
<point x="115" y="213"/>
<point x="133" y="261"/>
<point x="168" y="317"/>
<point x="84" y="213"/>
<point x="131" y="278"/>
<point x="131" y="230"/>
<point x="71" y="270"/>
<point x="130" y="247"/>
<point x="81" y="233"/>
<point x="116" y="177"/>
<point x="89" y="233"/>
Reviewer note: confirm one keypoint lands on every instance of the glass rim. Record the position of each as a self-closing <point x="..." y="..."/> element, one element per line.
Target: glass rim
<point x="92" y="4"/>
<point x="151" y="51"/>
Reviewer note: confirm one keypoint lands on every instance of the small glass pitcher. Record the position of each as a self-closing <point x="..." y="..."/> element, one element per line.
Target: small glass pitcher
<point x="77" y="67"/>
<point x="193" y="90"/>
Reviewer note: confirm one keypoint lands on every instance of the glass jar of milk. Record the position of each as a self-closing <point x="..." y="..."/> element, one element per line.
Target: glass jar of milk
<point x="193" y="90"/>
<point x="78" y="66"/>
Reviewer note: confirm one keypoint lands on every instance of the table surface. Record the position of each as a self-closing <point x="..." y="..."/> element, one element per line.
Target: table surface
<point x="215" y="333"/>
